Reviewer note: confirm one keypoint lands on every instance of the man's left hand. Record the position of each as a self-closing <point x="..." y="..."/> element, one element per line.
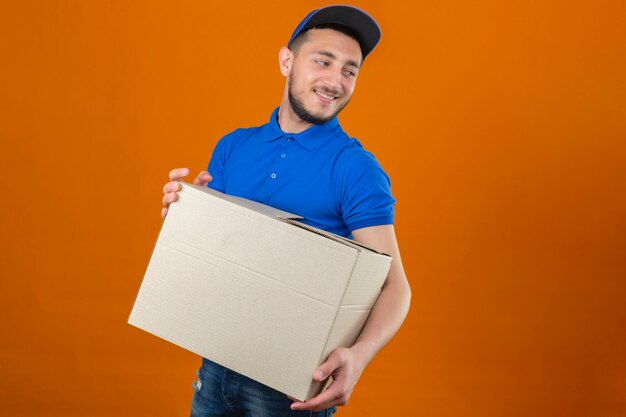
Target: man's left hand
<point x="343" y="365"/>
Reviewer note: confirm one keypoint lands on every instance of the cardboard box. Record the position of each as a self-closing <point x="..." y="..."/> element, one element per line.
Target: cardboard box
<point x="253" y="289"/>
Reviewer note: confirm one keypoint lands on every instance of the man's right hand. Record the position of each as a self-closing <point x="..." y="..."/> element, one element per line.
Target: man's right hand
<point x="171" y="189"/>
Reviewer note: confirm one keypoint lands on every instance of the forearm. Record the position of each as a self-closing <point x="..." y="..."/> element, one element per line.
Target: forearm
<point x="392" y="305"/>
<point x="384" y="321"/>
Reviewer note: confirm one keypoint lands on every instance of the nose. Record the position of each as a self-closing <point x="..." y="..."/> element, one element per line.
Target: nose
<point x="333" y="79"/>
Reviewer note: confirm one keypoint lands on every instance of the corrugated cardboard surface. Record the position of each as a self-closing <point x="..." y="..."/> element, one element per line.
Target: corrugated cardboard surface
<point x="231" y="280"/>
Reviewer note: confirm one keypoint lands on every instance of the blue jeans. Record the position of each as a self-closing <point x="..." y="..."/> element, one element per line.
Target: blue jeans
<point x="220" y="392"/>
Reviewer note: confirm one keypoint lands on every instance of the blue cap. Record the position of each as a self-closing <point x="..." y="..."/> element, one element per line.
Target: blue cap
<point x="363" y="25"/>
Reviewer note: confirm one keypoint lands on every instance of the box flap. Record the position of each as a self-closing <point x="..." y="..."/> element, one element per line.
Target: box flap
<point x="280" y="215"/>
<point x="329" y="235"/>
<point x="243" y="202"/>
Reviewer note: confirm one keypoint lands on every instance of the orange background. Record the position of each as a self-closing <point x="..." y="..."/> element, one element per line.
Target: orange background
<point x="503" y="128"/>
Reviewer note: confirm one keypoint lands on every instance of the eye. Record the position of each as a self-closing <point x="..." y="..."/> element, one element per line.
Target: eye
<point x="350" y="73"/>
<point x="322" y="62"/>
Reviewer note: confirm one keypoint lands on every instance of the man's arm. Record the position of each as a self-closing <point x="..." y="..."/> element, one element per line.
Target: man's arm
<point x="345" y="365"/>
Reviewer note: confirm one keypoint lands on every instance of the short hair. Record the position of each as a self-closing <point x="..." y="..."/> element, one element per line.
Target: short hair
<point x="303" y="36"/>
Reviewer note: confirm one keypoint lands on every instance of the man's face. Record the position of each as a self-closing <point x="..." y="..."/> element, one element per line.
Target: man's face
<point x="323" y="75"/>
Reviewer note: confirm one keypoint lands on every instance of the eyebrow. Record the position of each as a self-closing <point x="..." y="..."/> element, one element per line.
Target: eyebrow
<point x="333" y="56"/>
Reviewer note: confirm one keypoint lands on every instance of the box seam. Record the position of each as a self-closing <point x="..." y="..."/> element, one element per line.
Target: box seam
<point x="237" y="266"/>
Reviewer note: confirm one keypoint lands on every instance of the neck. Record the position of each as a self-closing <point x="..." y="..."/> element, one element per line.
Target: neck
<point x="289" y="121"/>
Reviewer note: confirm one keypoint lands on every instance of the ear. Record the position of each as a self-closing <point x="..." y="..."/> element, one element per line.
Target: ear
<point x="285" y="60"/>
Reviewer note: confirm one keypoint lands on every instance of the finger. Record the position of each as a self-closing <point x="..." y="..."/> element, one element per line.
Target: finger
<point x="163" y="212"/>
<point x="319" y="374"/>
<point x="178" y="174"/>
<point x="169" y="198"/>
<point x="203" y="178"/>
<point x="326" y="399"/>
<point x="172" y="186"/>
<point x="324" y="370"/>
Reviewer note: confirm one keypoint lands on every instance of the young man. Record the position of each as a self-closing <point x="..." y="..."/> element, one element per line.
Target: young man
<point x="304" y="163"/>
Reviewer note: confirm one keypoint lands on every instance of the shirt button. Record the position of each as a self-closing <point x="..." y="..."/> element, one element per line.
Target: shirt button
<point x="283" y="155"/>
<point x="289" y="139"/>
<point x="273" y="176"/>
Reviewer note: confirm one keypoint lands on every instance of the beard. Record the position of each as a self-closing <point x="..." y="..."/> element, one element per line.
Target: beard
<point x="302" y="112"/>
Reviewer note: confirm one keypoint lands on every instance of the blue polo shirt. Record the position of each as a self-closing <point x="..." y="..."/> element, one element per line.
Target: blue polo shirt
<point x="320" y="174"/>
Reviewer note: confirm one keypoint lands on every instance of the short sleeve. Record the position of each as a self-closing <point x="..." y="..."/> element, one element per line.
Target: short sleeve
<point x="217" y="165"/>
<point x="366" y="198"/>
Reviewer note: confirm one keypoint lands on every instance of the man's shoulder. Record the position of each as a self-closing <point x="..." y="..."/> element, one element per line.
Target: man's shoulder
<point x="352" y="152"/>
<point x="243" y="133"/>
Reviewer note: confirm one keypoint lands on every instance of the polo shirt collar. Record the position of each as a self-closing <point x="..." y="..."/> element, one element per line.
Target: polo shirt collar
<point x="310" y="138"/>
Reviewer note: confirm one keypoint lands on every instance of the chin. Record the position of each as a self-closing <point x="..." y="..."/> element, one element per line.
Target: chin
<point x="324" y="111"/>
<point x="313" y="111"/>
<point x="328" y="114"/>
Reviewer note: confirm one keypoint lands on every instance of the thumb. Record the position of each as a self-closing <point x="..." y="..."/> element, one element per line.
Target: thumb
<point x="203" y="178"/>
<point x="326" y="369"/>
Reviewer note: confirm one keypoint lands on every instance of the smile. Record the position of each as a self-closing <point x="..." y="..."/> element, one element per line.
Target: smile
<point x="325" y="96"/>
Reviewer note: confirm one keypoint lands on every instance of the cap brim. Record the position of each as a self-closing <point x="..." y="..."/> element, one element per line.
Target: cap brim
<point x="363" y="25"/>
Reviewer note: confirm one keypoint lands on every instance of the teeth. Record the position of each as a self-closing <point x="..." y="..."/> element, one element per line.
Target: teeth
<point x="327" y="97"/>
